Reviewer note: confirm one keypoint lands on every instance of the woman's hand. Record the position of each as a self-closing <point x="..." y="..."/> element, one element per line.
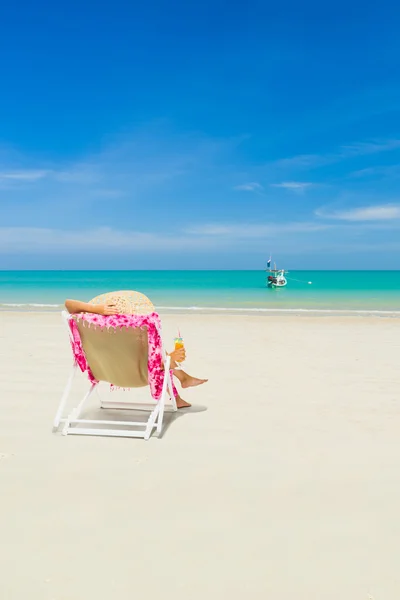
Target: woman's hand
<point x="107" y="309"/>
<point x="178" y="356"/>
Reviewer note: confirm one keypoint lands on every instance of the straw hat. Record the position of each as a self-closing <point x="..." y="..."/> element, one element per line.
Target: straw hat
<point x="127" y="302"/>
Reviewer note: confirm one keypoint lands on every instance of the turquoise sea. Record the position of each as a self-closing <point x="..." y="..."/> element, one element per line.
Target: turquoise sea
<point x="208" y="290"/>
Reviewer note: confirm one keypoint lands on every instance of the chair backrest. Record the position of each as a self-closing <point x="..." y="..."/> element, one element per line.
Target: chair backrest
<point x="118" y="356"/>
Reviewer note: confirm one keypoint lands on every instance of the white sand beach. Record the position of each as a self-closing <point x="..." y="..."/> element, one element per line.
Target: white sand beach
<point x="281" y="483"/>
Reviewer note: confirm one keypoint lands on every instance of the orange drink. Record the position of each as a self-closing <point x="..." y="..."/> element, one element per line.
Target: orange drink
<point x="178" y="341"/>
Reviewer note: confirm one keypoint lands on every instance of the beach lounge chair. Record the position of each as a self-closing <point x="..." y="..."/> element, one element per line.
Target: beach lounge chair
<point x="124" y="351"/>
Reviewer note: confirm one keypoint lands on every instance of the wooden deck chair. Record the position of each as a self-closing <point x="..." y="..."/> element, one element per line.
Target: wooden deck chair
<point x="116" y="350"/>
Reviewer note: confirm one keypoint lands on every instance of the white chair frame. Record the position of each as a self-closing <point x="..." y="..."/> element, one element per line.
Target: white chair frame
<point x="137" y="429"/>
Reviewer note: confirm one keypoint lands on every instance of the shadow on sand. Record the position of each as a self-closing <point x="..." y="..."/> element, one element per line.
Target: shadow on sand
<point x="171" y="417"/>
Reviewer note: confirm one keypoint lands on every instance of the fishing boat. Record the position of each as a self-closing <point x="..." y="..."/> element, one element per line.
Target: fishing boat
<point x="276" y="277"/>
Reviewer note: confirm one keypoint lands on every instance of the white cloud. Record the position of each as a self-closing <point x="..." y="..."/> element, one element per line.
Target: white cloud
<point x="107" y="194"/>
<point x="364" y="172"/>
<point x="371" y="147"/>
<point x="105" y="239"/>
<point x="79" y="174"/>
<point x="153" y="165"/>
<point x="295" y="186"/>
<point x="381" y="171"/>
<point x="355" y="149"/>
<point x="24" y="175"/>
<point x="301" y="161"/>
<point x="250" y="230"/>
<point x="382" y="212"/>
<point x="210" y="229"/>
<point x="249" y="187"/>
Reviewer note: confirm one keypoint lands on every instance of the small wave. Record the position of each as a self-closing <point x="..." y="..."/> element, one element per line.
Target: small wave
<point x="281" y="310"/>
<point x="33" y="304"/>
<point x="229" y="309"/>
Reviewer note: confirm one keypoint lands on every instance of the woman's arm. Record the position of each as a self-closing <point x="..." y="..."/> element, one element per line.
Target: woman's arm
<point x="76" y="306"/>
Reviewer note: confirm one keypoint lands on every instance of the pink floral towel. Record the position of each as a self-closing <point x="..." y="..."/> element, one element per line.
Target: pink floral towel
<point x="153" y="325"/>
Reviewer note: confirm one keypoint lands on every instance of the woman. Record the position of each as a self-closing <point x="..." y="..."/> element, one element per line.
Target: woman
<point x="111" y="308"/>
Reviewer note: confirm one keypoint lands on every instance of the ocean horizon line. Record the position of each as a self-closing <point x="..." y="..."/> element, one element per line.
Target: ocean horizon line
<point x="261" y="269"/>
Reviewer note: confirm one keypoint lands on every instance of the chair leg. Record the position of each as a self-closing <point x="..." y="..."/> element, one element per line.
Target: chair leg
<point x="99" y="397"/>
<point x="171" y="394"/>
<point x="167" y="383"/>
<point x="64" y="398"/>
<point x="158" y="413"/>
<point x="170" y="391"/>
<point x="151" y="422"/>
<point x="77" y="411"/>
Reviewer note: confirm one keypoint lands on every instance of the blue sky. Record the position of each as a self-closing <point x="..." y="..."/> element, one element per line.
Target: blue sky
<point x="183" y="135"/>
